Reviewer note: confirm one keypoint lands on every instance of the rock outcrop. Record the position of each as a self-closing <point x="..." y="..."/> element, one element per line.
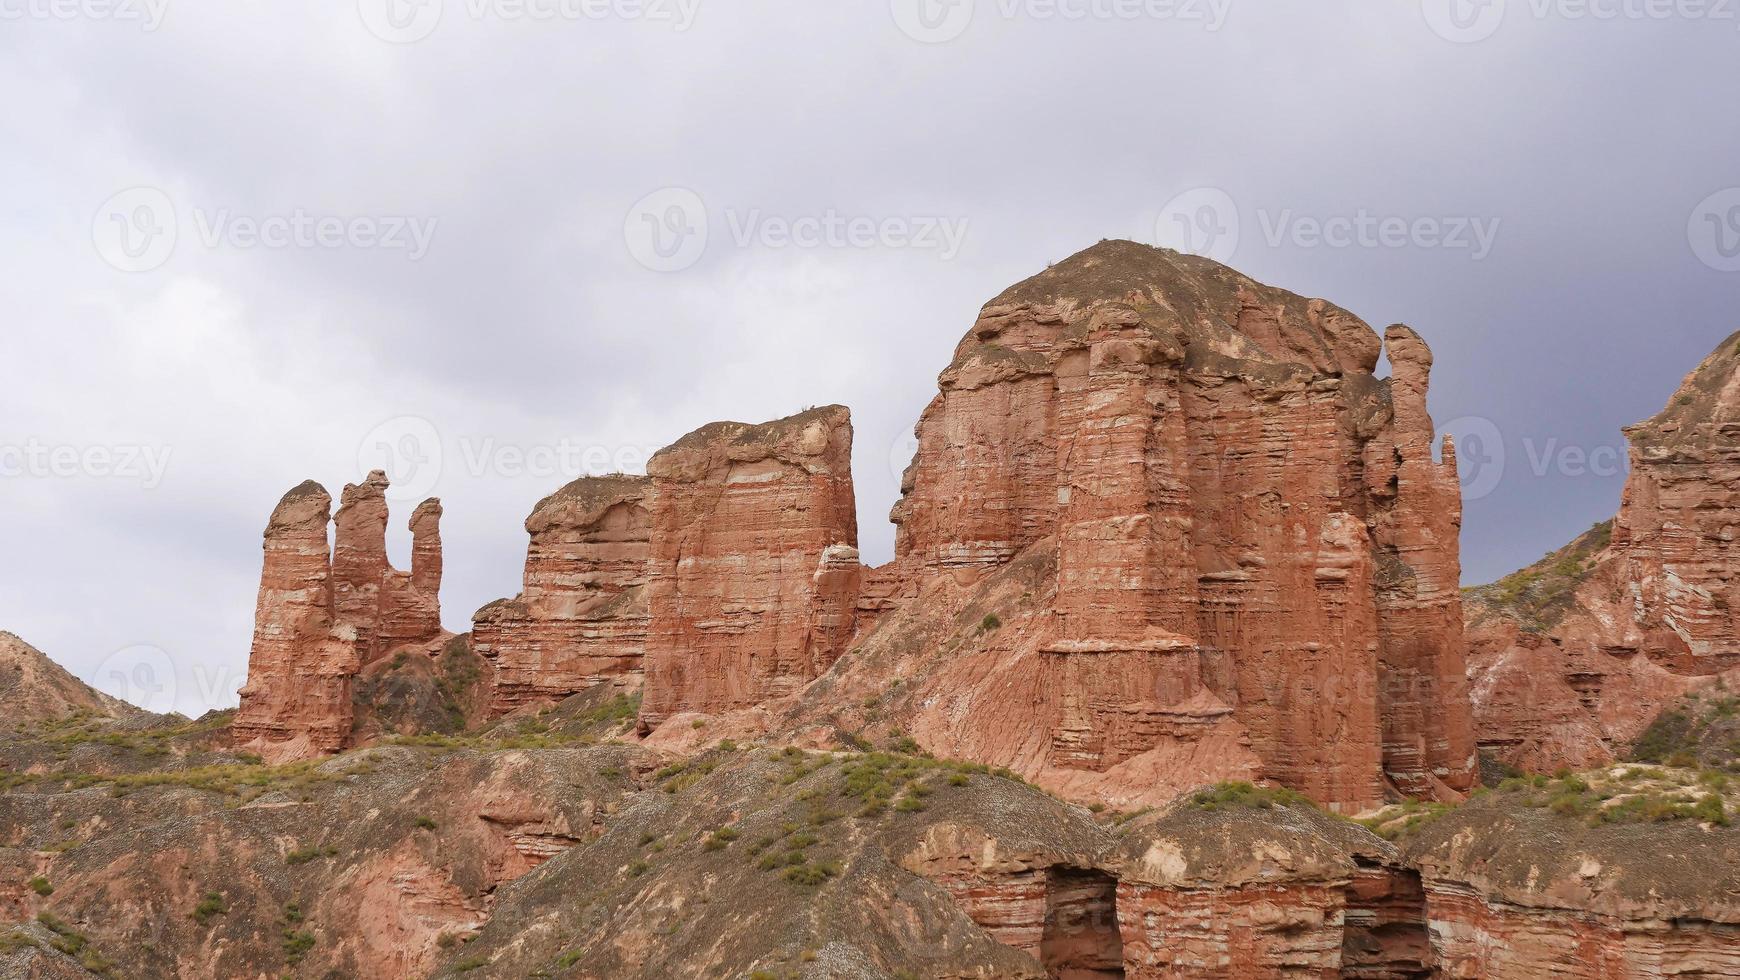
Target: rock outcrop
<point x="1256" y="559"/>
<point x="325" y="614"/>
<point x="36" y="689"/>
<point x="752" y="584"/>
<point x="1524" y="892"/>
<point x="1575" y="655"/>
<point x="581" y="620"/>
<point x="1208" y="891"/>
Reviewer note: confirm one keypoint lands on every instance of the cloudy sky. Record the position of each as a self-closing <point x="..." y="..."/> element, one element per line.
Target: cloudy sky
<point x="501" y="242"/>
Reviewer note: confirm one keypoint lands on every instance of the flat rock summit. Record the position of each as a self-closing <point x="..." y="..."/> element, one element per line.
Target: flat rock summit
<point x="1171" y="675"/>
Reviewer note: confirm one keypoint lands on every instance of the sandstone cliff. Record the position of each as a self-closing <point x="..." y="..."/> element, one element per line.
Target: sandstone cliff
<point x="1575" y="655"/>
<point x="752" y="583"/>
<point x="324" y="615"/>
<point x="1236" y="556"/>
<point x="581" y="620"/>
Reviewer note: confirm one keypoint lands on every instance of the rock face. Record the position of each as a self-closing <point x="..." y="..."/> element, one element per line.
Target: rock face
<point x="1575" y="655"/>
<point x="1515" y="892"/>
<point x="1295" y="893"/>
<point x="581" y="620"/>
<point x="322" y="616"/>
<point x="36" y="689"/>
<point x="1254" y="545"/>
<point x="752" y="583"/>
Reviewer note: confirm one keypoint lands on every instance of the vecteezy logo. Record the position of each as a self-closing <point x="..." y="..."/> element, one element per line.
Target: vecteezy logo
<point x="1479" y="454"/>
<point x="408" y="450"/>
<point x="1464" y="21"/>
<point x="400" y="21"/>
<point x="134" y="230"/>
<point x="1714" y="230"/>
<point x="666" y="231"/>
<point x="1204" y="222"/>
<point x="141" y="675"/>
<point x="932" y="21"/>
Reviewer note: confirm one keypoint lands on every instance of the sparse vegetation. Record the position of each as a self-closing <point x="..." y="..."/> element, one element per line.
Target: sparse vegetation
<point x="719" y="839"/>
<point x="1241" y="795"/>
<point x="40" y="885"/>
<point x="303" y="855"/>
<point x="1399" y="820"/>
<point x="74" y="944"/>
<point x="1702" y="730"/>
<point x="296" y="943"/>
<point x="1627" y="794"/>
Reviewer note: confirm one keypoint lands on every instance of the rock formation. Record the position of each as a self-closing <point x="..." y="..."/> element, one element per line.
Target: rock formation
<point x="752" y="585"/>
<point x="323" y="615"/>
<point x="1256" y="554"/>
<point x="1522" y="892"/>
<point x="1573" y="656"/>
<point x="581" y="619"/>
<point x="36" y="689"/>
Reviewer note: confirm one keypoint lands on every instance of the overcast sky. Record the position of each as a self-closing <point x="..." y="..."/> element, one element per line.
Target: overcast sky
<point x="495" y="242"/>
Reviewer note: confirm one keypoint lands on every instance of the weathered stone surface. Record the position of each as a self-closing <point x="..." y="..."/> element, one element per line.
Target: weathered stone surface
<point x="753" y="578"/>
<point x="1283" y="891"/>
<point x="1254" y="545"/>
<point x="1576" y="654"/>
<point x="581" y="620"/>
<point x="323" y="615"/>
<point x="1522" y="892"/>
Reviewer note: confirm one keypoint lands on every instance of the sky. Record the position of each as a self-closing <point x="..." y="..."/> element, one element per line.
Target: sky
<point x="494" y="244"/>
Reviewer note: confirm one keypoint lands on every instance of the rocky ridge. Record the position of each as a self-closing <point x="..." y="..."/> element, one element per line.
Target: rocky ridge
<point x="1175" y="583"/>
<point x="1573" y="657"/>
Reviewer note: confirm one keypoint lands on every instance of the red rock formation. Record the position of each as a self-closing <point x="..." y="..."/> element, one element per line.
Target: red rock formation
<point x="297" y="699"/>
<point x="323" y="615"/>
<point x="410" y="612"/>
<point x="1522" y="892"/>
<point x="1254" y="543"/>
<point x="753" y="580"/>
<point x="581" y="619"/>
<point x="1575" y="655"/>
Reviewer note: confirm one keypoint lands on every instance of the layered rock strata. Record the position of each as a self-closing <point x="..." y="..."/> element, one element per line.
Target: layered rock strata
<point x="1519" y="892"/>
<point x="581" y="620"/>
<point x="323" y="614"/>
<point x="1250" y="528"/>
<point x="1574" y="656"/>
<point x="752" y="583"/>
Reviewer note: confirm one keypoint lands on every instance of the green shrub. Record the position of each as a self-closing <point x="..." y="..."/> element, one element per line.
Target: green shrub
<point x="213" y="904"/>
<point x="40" y="885"/>
<point x="296" y="944"/>
<point x="425" y="823"/>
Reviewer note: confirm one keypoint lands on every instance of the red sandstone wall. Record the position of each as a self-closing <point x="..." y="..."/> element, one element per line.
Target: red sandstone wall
<point x="753" y="577"/>
<point x="581" y="620"/>
<point x="1248" y="522"/>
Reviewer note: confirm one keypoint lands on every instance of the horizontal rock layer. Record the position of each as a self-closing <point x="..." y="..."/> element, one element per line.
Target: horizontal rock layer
<point x="581" y="619"/>
<point x="752" y="583"/>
